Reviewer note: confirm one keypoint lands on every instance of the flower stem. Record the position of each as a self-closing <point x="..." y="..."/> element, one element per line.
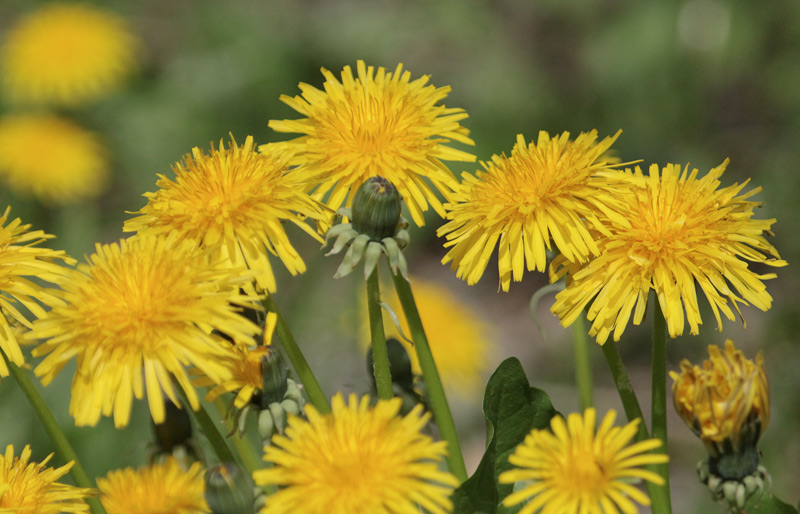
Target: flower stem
<point x="583" y="367"/>
<point x="209" y="429"/>
<point x="58" y="437"/>
<point x="380" y="354"/>
<point x="659" y="407"/>
<point x="241" y="442"/>
<point x="298" y="360"/>
<point x="438" y="400"/>
<point x="624" y="386"/>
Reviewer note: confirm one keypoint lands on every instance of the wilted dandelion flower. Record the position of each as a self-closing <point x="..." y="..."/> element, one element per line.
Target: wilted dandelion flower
<point x="458" y="335"/>
<point x="554" y="189"/>
<point x="378" y="123"/>
<point x="155" y="489"/>
<point x="66" y="53"/>
<point x="51" y="158"/>
<point x="356" y="460"/>
<point x="680" y="231"/>
<point x="32" y="488"/>
<point x="233" y="202"/>
<point x="574" y="469"/>
<point x="21" y="260"/>
<point x="136" y="316"/>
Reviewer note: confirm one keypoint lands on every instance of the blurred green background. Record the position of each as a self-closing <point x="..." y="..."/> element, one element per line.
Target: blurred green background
<point x="691" y="81"/>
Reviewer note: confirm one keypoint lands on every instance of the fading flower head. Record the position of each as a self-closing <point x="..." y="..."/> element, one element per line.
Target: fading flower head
<point x="573" y="469"/>
<point x="51" y="158"/>
<point x="22" y="261"/>
<point x="135" y="317"/>
<point x="726" y="401"/>
<point x="66" y="53"/>
<point x="554" y="189"/>
<point x="680" y="231"/>
<point x="158" y="488"/>
<point x="32" y="488"/>
<point x="233" y="202"/>
<point x="356" y="460"/>
<point x="377" y="123"/>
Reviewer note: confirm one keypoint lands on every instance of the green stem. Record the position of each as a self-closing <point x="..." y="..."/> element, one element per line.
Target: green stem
<point x="624" y="387"/>
<point x="438" y="400"/>
<point x="583" y="367"/>
<point x="210" y="430"/>
<point x="241" y="442"/>
<point x="298" y="360"/>
<point x="58" y="437"/>
<point x="380" y="354"/>
<point x="659" y="407"/>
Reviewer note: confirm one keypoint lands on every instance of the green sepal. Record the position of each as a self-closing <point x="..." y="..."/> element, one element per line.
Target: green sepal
<point x="512" y="409"/>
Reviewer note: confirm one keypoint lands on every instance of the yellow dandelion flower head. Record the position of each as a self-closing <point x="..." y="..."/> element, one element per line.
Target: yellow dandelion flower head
<point x="51" y="158"/>
<point x="244" y="364"/>
<point x="21" y="259"/>
<point x="378" y="123"/>
<point x="32" y="488"/>
<point x="233" y="202"/>
<point x="725" y="401"/>
<point x="552" y="189"/>
<point x="136" y="316"/>
<point x="356" y="460"/>
<point x="66" y="53"/>
<point x="155" y="489"/>
<point x="574" y="469"/>
<point x="458" y="335"/>
<point x="680" y="230"/>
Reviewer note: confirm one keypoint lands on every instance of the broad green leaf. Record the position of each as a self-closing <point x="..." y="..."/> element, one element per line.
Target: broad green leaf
<point x="768" y="505"/>
<point x="512" y="409"/>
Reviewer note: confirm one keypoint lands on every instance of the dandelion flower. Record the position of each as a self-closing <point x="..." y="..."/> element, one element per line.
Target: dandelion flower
<point x="32" y="488"/>
<point x="136" y="316"/>
<point x="233" y="202"/>
<point x="154" y="489"/>
<point x="680" y="230"/>
<point x="356" y="460"/>
<point x="458" y="335"/>
<point x="377" y="123"/>
<point x="51" y="158"/>
<point x="66" y="53"/>
<point x="245" y="374"/>
<point x="575" y="469"/>
<point x="554" y="188"/>
<point x="21" y="260"/>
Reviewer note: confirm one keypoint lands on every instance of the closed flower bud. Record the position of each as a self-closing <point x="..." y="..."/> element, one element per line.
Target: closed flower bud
<point x="376" y="209"/>
<point x="229" y="490"/>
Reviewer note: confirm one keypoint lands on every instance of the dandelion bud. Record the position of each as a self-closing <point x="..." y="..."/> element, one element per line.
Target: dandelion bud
<point x="175" y="431"/>
<point x="376" y="209"/>
<point x="274" y="376"/>
<point x="228" y="490"/>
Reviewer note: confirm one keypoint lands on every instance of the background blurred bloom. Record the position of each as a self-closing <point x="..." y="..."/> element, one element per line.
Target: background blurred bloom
<point x="51" y="158"/>
<point x="29" y="487"/>
<point x="679" y="231"/>
<point x="233" y="202"/>
<point x="157" y="488"/>
<point x="554" y="189"/>
<point x="145" y="308"/>
<point x="574" y="469"/>
<point x="458" y="335"/>
<point x="66" y="53"/>
<point x="356" y="460"/>
<point x="20" y="262"/>
<point x="377" y="123"/>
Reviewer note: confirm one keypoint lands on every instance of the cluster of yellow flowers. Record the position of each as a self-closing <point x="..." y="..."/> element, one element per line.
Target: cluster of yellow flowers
<point x="141" y="313"/>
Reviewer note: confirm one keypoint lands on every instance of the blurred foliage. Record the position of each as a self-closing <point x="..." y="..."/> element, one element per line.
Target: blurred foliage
<point x="691" y="81"/>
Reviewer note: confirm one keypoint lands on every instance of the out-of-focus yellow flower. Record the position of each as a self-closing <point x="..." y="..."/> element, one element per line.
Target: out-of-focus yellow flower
<point x="32" y="488"/>
<point x="154" y="489"/>
<point x="726" y="402"/>
<point x="135" y="317"/>
<point x="21" y="260"/>
<point x="66" y="53"/>
<point x="51" y="158"/>
<point x="680" y="231"/>
<point x="552" y="189"/>
<point x="233" y="202"/>
<point x="356" y="460"/>
<point x="575" y="470"/>
<point x="378" y="123"/>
